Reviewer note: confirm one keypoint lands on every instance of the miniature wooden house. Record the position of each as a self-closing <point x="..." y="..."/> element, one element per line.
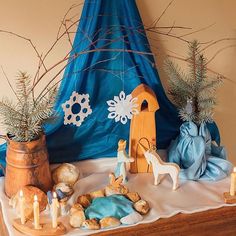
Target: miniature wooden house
<point x="143" y="125"/>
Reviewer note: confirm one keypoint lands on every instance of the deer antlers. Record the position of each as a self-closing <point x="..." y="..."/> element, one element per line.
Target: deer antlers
<point x="115" y="182"/>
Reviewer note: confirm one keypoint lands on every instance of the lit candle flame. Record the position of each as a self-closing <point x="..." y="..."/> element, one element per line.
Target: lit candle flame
<point x="54" y="195"/>
<point x="35" y="198"/>
<point x="234" y="169"/>
<point x="21" y="193"/>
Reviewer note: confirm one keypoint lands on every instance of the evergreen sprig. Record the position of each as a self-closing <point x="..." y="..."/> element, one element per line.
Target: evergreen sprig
<point x="24" y="120"/>
<point x="195" y="86"/>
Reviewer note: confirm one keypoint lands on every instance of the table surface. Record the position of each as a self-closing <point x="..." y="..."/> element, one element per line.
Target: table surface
<point x="221" y="221"/>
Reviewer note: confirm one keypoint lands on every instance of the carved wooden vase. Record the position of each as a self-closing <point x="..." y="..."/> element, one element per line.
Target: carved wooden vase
<point x="27" y="164"/>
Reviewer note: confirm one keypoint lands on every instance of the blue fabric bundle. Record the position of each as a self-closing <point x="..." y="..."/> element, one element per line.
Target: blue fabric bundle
<point x="197" y="156"/>
<point x="103" y="75"/>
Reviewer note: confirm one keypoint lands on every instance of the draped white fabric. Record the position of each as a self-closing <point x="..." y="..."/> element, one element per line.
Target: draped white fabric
<point x="189" y="198"/>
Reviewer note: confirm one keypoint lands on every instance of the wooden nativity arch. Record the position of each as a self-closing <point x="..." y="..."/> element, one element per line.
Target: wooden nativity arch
<point x="143" y="125"/>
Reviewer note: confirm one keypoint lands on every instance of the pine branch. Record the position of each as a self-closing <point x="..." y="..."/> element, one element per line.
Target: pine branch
<point x="176" y="76"/>
<point x="185" y="116"/>
<point x="193" y="50"/>
<point x="7" y="108"/>
<point x="194" y="96"/>
<point x="201" y="72"/>
<point x="212" y="85"/>
<point x="23" y="86"/>
<point x="179" y="87"/>
<point x="24" y="120"/>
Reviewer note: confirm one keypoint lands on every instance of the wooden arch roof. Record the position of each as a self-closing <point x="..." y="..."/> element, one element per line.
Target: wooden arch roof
<point x="145" y="93"/>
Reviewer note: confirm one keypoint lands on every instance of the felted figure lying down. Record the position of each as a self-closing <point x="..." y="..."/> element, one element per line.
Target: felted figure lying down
<point x="108" y="208"/>
<point x="116" y="206"/>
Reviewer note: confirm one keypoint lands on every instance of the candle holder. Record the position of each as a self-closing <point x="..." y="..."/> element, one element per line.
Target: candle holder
<point x="228" y="198"/>
<point x="45" y="230"/>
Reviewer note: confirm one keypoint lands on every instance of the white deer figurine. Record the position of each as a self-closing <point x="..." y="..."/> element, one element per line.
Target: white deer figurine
<point x="160" y="167"/>
<point x="122" y="159"/>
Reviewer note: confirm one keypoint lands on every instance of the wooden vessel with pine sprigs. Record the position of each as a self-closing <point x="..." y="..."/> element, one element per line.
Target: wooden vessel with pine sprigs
<point x="26" y="155"/>
<point x="27" y="164"/>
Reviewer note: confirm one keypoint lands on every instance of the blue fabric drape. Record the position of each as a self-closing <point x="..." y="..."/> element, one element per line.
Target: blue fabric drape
<point x="103" y="75"/>
<point x="197" y="157"/>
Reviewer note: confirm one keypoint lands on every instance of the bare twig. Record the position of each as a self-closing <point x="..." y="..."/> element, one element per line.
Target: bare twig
<point x="216" y="42"/>
<point x="158" y="19"/>
<point x="38" y="70"/>
<point x="65" y="17"/>
<point x="208" y="69"/>
<point x="102" y="61"/>
<point x="9" y="83"/>
<point x="67" y="57"/>
<point x="87" y="52"/>
<point x="92" y="43"/>
<point x="29" y="41"/>
<point x="171" y="28"/>
<point x="199" y="30"/>
<point x="219" y="51"/>
<point x="168" y="34"/>
<point x="68" y="35"/>
<point x="57" y="40"/>
<point x="42" y="94"/>
<point x="168" y="27"/>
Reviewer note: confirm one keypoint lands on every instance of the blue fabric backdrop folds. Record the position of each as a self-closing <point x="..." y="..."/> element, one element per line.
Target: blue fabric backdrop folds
<point x="103" y="75"/>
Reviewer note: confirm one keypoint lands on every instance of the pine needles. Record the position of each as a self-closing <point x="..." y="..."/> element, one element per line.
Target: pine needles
<point x="194" y="93"/>
<point x="24" y="120"/>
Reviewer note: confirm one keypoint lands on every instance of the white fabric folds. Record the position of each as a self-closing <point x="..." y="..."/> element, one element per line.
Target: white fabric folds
<point x="189" y="198"/>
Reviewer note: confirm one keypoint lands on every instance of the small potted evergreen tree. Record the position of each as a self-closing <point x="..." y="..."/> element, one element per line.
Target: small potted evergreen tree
<point x="27" y="157"/>
<point x="194" y="94"/>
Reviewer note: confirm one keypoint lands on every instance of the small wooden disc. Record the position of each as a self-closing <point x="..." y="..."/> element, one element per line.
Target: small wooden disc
<point x="229" y="199"/>
<point x="47" y="230"/>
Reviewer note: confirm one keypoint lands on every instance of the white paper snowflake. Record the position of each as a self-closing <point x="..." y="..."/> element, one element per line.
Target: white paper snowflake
<point x="122" y="108"/>
<point x="76" y="109"/>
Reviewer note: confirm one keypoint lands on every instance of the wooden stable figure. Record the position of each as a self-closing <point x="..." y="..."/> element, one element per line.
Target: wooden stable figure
<point x="143" y="125"/>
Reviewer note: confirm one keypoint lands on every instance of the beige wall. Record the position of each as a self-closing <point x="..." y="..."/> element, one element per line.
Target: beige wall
<point x="39" y="21"/>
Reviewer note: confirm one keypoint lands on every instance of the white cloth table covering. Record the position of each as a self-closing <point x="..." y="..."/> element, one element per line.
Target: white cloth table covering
<point x="189" y="198"/>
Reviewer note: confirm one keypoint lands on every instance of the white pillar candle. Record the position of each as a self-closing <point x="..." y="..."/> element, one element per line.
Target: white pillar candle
<point x="233" y="182"/>
<point x="22" y="207"/>
<point x="36" y="212"/>
<point x="55" y="206"/>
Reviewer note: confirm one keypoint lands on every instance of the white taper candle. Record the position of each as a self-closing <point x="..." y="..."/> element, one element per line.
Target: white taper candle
<point x="22" y="207"/>
<point x="36" y="212"/>
<point x="55" y="206"/>
<point x="233" y="182"/>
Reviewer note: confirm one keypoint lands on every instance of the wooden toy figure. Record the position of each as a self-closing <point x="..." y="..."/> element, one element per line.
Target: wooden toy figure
<point x="142" y="125"/>
<point x="115" y="186"/>
<point x="160" y="167"/>
<point x="122" y="159"/>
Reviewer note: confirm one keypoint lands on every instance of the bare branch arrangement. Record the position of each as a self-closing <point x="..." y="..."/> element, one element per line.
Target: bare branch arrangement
<point x="67" y="30"/>
<point x="168" y="32"/>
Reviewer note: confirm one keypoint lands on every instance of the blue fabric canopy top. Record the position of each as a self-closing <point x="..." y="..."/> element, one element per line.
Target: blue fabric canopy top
<point x="95" y="83"/>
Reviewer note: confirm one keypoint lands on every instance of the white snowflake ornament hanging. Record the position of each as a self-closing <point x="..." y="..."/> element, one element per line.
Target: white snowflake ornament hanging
<point x="122" y="107"/>
<point x="76" y="109"/>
